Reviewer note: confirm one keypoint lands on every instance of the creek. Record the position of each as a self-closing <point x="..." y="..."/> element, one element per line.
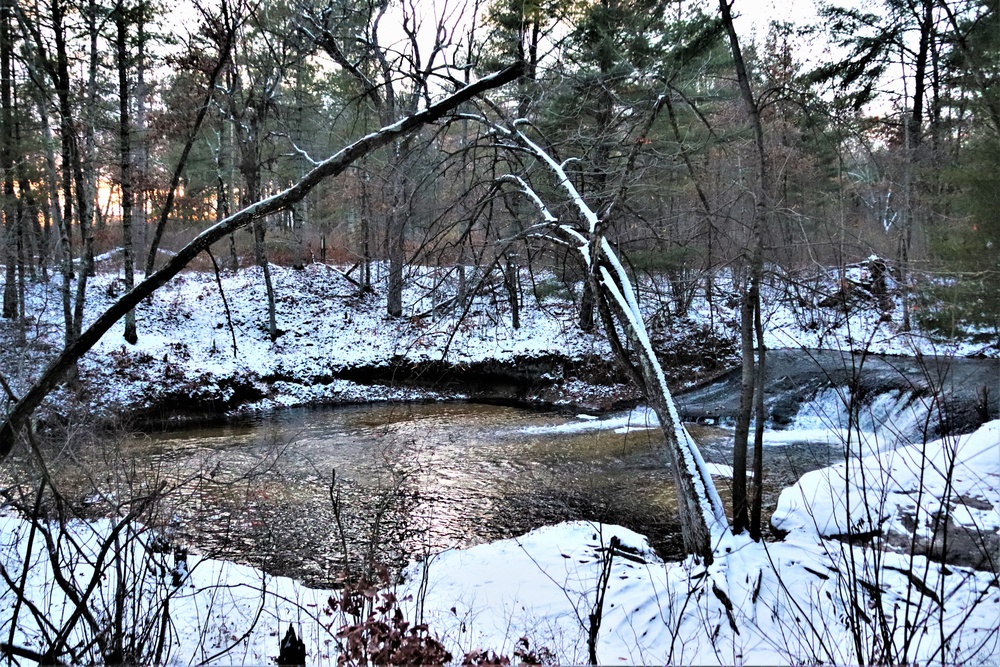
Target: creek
<point x="308" y="492"/>
<point x="292" y="492"/>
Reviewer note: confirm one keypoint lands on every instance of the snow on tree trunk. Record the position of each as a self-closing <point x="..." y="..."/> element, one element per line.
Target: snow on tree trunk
<point x="702" y="514"/>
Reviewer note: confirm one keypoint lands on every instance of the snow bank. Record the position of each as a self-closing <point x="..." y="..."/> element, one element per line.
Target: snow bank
<point x="805" y="600"/>
<point x="908" y="490"/>
<point x="793" y="602"/>
<point x="219" y="612"/>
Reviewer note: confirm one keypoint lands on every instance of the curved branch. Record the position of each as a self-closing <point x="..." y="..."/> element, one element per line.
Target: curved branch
<point x="332" y="166"/>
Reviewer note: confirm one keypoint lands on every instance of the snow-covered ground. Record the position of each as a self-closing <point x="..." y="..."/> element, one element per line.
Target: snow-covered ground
<point x="186" y="349"/>
<point x="810" y="598"/>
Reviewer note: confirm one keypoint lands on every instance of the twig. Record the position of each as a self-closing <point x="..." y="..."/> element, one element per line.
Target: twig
<point x="225" y="302"/>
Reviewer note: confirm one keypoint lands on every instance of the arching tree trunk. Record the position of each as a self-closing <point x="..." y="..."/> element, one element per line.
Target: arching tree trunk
<point x="17" y="418"/>
<point x="702" y="514"/>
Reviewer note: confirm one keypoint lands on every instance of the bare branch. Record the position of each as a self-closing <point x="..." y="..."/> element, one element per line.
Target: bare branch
<point x="332" y="166"/>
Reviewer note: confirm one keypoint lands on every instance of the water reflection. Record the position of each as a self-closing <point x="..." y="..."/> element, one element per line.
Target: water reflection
<point x="291" y="493"/>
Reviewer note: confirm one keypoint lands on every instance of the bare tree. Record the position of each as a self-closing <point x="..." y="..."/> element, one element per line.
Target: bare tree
<point x="393" y="79"/>
<point x="52" y="73"/>
<point x="220" y="29"/>
<point x="751" y="327"/>
<point x="19" y="415"/>
<point x="125" y="164"/>
<point x="702" y="514"/>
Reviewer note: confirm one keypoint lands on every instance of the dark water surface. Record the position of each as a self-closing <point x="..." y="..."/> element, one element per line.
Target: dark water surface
<point x="291" y="492"/>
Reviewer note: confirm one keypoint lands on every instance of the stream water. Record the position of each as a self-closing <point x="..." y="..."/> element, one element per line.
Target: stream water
<point x="293" y="492"/>
<point x="308" y="492"/>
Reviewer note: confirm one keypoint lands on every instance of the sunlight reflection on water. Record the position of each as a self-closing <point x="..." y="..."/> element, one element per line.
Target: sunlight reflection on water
<point x="425" y="477"/>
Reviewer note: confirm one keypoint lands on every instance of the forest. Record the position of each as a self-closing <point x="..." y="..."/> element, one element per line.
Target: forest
<point x="318" y="314"/>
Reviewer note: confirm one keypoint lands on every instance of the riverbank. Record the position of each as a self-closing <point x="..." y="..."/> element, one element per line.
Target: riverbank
<point x="204" y="352"/>
<point x="814" y="598"/>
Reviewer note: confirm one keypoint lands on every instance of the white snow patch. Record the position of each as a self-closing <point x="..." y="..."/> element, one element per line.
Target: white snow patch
<point x="641" y="418"/>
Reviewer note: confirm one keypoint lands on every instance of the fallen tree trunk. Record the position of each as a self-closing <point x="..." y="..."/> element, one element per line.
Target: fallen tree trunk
<point x="702" y="514"/>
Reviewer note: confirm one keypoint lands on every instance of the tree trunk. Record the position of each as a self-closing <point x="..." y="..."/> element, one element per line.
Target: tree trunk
<point x="756" y="493"/>
<point x="140" y="165"/>
<point x="755" y="270"/>
<point x="512" y="284"/>
<point x="10" y="301"/>
<point x="74" y="181"/>
<point x="56" y="218"/>
<point x="366" y="236"/>
<point x="399" y="183"/>
<point x="89" y="153"/>
<point x="21" y="250"/>
<point x="741" y="434"/>
<point x="250" y="167"/>
<point x="68" y="150"/>
<point x="260" y="252"/>
<point x="125" y="166"/>
<point x="913" y="124"/>
<point x="586" y="320"/>
<point x="701" y="510"/>
<point x="702" y="514"/>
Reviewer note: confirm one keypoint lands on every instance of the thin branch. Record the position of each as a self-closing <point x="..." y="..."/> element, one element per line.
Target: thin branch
<point x="225" y="302"/>
<point x="332" y="166"/>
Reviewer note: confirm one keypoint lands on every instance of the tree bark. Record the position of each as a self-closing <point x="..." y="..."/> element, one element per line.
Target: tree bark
<point x="260" y="253"/>
<point x="399" y="184"/>
<point x="757" y="489"/>
<point x="701" y="510"/>
<point x="741" y="433"/>
<point x="70" y="172"/>
<point x="140" y="164"/>
<point x="753" y="277"/>
<point x="125" y="166"/>
<point x="250" y="168"/>
<point x="512" y="283"/>
<point x="10" y="310"/>
<point x="912" y="128"/>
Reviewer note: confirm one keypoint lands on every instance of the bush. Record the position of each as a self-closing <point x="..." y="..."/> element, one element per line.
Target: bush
<point x="378" y="633"/>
